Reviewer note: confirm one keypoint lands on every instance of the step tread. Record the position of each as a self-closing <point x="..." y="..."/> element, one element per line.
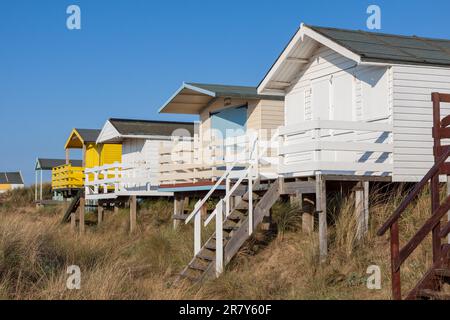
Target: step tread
<point x="198" y="266"/>
<point x="442" y="273"/>
<point x="427" y="293"/>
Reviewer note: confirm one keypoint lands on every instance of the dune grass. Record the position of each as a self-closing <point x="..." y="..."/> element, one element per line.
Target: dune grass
<point x="35" y="251"/>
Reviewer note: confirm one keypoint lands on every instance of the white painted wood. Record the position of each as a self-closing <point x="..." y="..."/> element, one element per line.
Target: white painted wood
<point x="413" y="119"/>
<point x="250" y="204"/>
<point x="219" y="238"/>
<point x="109" y="133"/>
<point x="197" y="228"/>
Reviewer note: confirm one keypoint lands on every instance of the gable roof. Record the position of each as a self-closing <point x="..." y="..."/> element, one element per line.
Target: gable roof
<point x="130" y="127"/>
<point x="79" y="137"/>
<point x="360" y="46"/>
<point x="115" y="130"/>
<point x="49" y="164"/>
<point x="191" y="98"/>
<point x="11" y="178"/>
<point x="389" y="48"/>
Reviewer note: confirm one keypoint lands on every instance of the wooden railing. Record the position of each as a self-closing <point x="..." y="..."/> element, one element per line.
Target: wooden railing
<point x="119" y="177"/>
<point x="438" y="209"/>
<point x="336" y="146"/>
<point x="194" y="161"/>
<point x="67" y="177"/>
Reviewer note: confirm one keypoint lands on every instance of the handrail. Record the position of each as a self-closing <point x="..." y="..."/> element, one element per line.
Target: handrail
<point x="228" y="195"/>
<point x="414" y="193"/>
<point x="200" y="203"/>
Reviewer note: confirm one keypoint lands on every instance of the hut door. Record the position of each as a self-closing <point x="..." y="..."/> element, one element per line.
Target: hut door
<point x="230" y="122"/>
<point x="225" y="124"/>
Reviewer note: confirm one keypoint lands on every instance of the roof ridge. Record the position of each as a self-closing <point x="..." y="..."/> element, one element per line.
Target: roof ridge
<point x="151" y="121"/>
<point x="379" y="33"/>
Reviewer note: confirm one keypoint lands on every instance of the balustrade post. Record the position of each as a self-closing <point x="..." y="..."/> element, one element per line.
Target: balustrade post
<point x="197" y="229"/>
<point x="250" y="202"/>
<point x="227" y="197"/>
<point x="219" y="238"/>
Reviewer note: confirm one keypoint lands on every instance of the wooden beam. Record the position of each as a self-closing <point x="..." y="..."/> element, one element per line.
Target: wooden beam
<point x="133" y="213"/>
<point x="297" y="60"/>
<point x="99" y="214"/>
<point x="359" y="211"/>
<point x="177" y="211"/>
<point x="321" y="208"/>
<point x="73" y="222"/>
<point x="81" y="215"/>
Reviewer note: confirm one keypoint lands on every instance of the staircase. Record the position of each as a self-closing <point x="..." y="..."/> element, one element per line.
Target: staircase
<point x="431" y="286"/>
<point x="74" y="204"/>
<point x="235" y="230"/>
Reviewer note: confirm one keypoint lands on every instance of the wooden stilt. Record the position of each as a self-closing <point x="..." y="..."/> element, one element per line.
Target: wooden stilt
<point x="177" y="211"/>
<point x="81" y="213"/>
<point x="73" y="222"/>
<point x="366" y="206"/>
<point x="116" y="208"/>
<point x="308" y="215"/>
<point x="133" y="213"/>
<point x="448" y="214"/>
<point x="99" y="214"/>
<point x="359" y="211"/>
<point x="321" y="208"/>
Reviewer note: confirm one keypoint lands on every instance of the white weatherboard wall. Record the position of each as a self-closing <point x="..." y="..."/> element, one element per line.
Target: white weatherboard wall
<point x="142" y="152"/>
<point x="333" y="87"/>
<point x="413" y="118"/>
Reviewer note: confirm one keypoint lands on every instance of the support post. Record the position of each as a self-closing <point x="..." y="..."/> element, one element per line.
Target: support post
<point x="67" y="156"/>
<point x="321" y="208"/>
<point x="307" y="206"/>
<point x="228" y="197"/>
<point x="219" y="239"/>
<point x="133" y="213"/>
<point x="73" y="222"/>
<point x="177" y="208"/>
<point x="448" y="214"/>
<point x="81" y="213"/>
<point x="359" y="211"/>
<point x="250" y="204"/>
<point x="366" y="205"/>
<point x="99" y="214"/>
<point x="197" y="230"/>
<point x="116" y="208"/>
<point x="35" y="186"/>
<point x="40" y="194"/>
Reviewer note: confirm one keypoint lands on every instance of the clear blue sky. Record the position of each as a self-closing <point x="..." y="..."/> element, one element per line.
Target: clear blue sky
<point x="130" y="56"/>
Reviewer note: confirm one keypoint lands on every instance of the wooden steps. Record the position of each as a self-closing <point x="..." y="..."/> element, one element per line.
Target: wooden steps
<point x="433" y="295"/>
<point x="73" y="206"/>
<point x="235" y="233"/>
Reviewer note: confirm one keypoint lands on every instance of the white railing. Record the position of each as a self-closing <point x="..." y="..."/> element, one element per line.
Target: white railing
<point x="193" y="161"/>
<point x="360" y="148"/>
<point x="120" y="177"/>
<point x="256" y="152"/>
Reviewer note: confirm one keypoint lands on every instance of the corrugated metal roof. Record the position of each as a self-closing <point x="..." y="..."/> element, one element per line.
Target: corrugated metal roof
<point x="11" y="178"/>
<point x="89" y="135"/>
<point x="48" y="164"/>
<point x="150" y="127"/>
<point x="389" y="48"/>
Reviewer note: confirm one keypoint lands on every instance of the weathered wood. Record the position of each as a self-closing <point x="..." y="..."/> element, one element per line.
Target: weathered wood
<point x="308" y="215"/>
<point x="292" y="188"/>
<point x="395" y="249"/>
<point x="116" y="208"/>
<point x="73" y="221"/>
<point x="100" y="214"/>
<point x="81" y="209"/>
<point x="321" y="208"/>
<point x="133" y="213"/>
<point x="448" y="213"/>
<point x="362" y="209"/>
<point x="178" y="208"/>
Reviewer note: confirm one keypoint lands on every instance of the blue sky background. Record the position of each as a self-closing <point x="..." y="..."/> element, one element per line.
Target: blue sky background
<point x="131" y="55"/>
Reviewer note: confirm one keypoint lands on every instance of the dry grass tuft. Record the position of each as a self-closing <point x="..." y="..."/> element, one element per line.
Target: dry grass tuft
<point x="35" y="251"/>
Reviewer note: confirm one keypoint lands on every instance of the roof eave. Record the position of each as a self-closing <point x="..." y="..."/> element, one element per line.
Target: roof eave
<point x="185" y="86"/>
<point x="303" y="31"/>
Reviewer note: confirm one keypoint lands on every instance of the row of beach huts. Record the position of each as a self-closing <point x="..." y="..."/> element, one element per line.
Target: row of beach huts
<point x="338" y="110"/>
